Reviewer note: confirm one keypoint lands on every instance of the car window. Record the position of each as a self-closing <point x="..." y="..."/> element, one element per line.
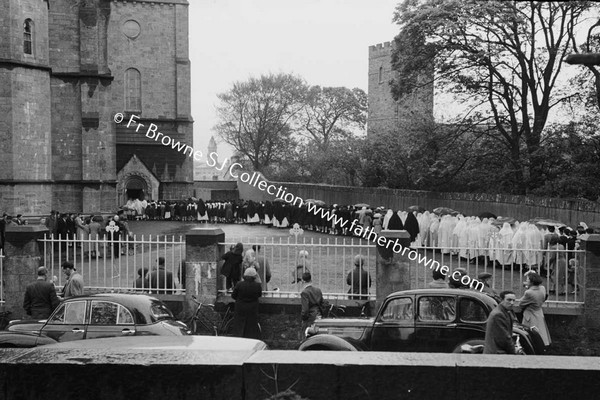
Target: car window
<point x="69" y="313"/>
<point x="125" y="316"/>
<point x="159" y="311"/>
<point x="104" y="313"/>
<point x="472" y="311"/>
<point x="398" y="310"/>
<point x="59" y="316"/>
<point x="437" y="308"/>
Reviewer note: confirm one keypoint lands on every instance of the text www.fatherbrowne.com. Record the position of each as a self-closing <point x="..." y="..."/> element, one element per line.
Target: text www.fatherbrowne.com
<point x="280" y="192"/>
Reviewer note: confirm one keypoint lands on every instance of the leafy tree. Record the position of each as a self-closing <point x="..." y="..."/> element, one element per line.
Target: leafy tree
<point x="418" y="153"/>
<point x="332" y="113"/>
<point x="589" y="58"/>
<point x="256" y="117"/>
<point x="503" y="56"/>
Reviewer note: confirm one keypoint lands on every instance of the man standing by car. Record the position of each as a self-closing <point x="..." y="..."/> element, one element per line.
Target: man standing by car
<point x="312" y="302"/>
<point x="74" y="284"/>
<point x="40" y="296"/>
<point x="498" y="330"/>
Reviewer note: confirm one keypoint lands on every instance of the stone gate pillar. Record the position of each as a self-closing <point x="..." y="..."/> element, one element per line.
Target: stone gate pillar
<point x="591" y="281"/>
<point x="393" y="268"/>
<point x="202" y="252"/>
<point x="23" y="256"/>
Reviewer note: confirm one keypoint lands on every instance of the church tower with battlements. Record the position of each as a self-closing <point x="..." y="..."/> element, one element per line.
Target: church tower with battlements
<point x="385" y="112"/>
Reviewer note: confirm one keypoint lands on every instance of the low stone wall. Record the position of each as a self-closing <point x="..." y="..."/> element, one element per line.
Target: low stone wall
<point x="117" y="374"/>
<point x="355" y="375"/>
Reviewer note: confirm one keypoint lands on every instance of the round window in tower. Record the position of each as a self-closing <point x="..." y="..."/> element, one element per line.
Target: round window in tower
<point x="131" y="29"/>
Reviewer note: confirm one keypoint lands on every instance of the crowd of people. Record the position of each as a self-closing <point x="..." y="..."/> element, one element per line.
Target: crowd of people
<point x="544" y="247"/>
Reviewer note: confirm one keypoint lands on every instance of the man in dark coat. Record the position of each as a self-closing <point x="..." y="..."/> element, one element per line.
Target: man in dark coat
<point x="359" y="280"/>
<point x="161" y="279"/>
<point x="52" y="223"/>
<point x="40" y="296"/>
<point x="312" y="302"/>
<point x="498" y="330"/>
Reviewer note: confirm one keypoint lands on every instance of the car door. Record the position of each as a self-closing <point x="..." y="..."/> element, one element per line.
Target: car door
<point x="435" y="323"/>
<point x="472" y="319"/>
<point x="67" y="322"/>
<point x="394" y="327"/>
<point x="108" y="319"/>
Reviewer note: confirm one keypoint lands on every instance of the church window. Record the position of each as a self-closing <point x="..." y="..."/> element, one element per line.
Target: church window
<point x="28" y="36"/>
<point x="381" y="74"/>
<point x="133" y="90"/>
<point x="131" y="29"/>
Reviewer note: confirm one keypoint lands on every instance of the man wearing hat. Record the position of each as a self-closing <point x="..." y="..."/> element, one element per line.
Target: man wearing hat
<point x="486" y="278"/>
<point x="74" y="284"/>
<point x="40" y="296"/>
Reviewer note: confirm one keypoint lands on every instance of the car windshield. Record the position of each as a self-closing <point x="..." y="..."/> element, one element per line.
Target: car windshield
<point x="159" y="311"/>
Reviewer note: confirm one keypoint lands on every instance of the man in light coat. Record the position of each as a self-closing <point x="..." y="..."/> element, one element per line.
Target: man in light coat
<point x="74" y="285"/>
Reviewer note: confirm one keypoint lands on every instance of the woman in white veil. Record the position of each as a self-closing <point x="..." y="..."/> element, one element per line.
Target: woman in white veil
<point x="460" y="238"/>
<point x="504" y="254"/>
<point x="519" y="244"/>
<point x="433" y="231"/>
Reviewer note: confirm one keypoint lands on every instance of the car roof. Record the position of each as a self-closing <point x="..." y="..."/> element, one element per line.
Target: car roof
<point x="127" y="299"/>
<point x="133" y="301"/>
<point x="449" y="292"/>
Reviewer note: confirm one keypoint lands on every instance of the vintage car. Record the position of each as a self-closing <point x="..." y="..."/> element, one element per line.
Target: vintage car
<point x="421" y="320"/>
<point x="96" y="316"/>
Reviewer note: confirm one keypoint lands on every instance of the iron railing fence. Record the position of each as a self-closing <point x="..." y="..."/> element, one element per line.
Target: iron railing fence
<point x="329" y="260"/>
<point x="562" y="271"/>
<point x="118" y="265"/>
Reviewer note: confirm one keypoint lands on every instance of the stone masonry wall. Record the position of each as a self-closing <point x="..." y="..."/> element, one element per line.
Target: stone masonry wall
<point x="64" y="36"/>
<point x="152" y="53"/>
<point x="382" y="107"/>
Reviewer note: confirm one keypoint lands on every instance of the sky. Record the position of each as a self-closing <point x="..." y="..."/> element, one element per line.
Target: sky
<point x="326" y="42"/>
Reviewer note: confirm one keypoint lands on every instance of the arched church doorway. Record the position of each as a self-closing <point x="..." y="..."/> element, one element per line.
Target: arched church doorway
<point x="135" y="188"/>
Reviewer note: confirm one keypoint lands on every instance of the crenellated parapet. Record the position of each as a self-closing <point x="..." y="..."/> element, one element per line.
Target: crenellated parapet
<point x="381" y="49"/>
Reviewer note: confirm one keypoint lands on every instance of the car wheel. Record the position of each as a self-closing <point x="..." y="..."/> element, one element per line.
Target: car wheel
<point x="326" y="342"/>
<point x="474" y="346"/>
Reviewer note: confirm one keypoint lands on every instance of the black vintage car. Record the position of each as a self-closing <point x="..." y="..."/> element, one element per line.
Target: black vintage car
<point x="422" y="320"/>
<point x="96" y="316"/>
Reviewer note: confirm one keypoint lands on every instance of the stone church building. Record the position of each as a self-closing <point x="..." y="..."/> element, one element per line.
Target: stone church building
<point x="66" y="68"/>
